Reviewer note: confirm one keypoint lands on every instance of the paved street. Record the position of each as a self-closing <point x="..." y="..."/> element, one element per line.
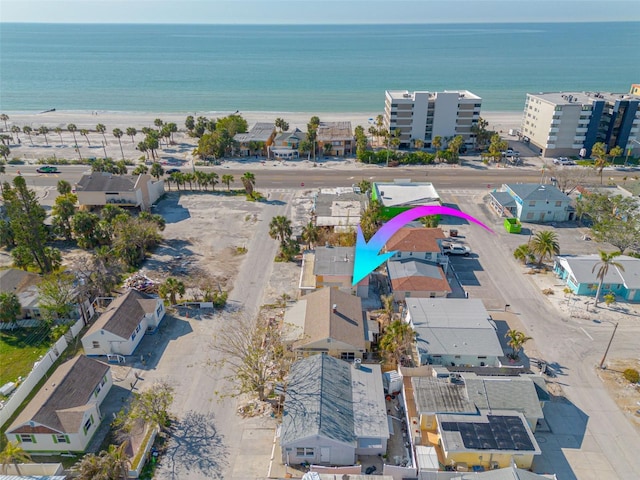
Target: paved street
<point x="592" y="437"/>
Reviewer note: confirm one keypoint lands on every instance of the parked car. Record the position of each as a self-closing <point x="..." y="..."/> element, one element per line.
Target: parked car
<point x="456" y="249"/>
<point x="47" y="169"/>
<point x="563" y="161"/>
<point x="510" y="153"/>
<point x="172" y="170"/>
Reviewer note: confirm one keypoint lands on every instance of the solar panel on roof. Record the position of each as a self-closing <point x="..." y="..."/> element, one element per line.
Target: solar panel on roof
<point x="502" y="433"/>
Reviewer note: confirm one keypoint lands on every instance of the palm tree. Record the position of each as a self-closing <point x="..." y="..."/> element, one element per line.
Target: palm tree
<point x="4" y="152"/>
<point x="27" y="129"/>
<point x="142" y="146"/>
<point x="132" y="132"/>
<point x="100" y="128"/>
<point x="212" y="179"/>
<point x="116" y="461"/>
<point x="118" y="134"/>
<point x="516" y="341"/>
<point x="177" y="179"/>
<point x="599" y="150"/>
<point x="158" y="123"/>
<point x="524" y="254"/>
<point x="140" y="169"/>
<point x="227" y="179"/>
<point x="85" y="133"/>
<point x="63" y="187"/>
<point x="58" y="130"/>
<point x="545" y="244"/>
<point x="72" y="128"/>
<point x="249" y="182"/>
<point x="418" y="143"/>
<point x="156" y="170"/>
<point x="43" y="131"/>
<point x="15" y="129"/>
<point x="280" y="228"/>
<point x="310" y="234"/>
<point x="606" y="260"/>
<point x="201" y="178"/>
<point x="171" y="288"/>
<point x="12" y="454"/>
<point x="397" y="340"/>
<point x="91" y="467"/>
<point x="4" y="117"/>
<point x="387" y="311"/>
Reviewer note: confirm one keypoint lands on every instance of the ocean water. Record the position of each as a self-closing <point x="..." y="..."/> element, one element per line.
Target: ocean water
<point x="179" y="68"/>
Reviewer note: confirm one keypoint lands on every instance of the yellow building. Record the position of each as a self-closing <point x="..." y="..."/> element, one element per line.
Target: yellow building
<point x="635" y="89"/>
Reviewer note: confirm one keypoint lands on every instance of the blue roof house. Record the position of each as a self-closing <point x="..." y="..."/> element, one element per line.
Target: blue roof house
<point x="581" y="277"/>
<point x="532" y="203"/>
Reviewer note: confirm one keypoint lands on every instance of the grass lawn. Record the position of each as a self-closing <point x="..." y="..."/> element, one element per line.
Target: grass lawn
<point x="19" y="350"/>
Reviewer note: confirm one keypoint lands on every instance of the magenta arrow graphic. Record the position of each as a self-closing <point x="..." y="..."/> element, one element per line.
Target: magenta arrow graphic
<point x="366" y="255"/>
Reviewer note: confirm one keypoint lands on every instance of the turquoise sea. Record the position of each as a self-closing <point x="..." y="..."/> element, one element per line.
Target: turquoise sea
<point x="177" y="68"/>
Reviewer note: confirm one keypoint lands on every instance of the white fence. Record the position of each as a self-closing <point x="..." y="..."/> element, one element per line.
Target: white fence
<point x="39" y="370"/>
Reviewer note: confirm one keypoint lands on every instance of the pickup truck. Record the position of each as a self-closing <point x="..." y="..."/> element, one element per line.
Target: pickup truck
<point x="456" y="249"/>
<point x="563" y="161"/>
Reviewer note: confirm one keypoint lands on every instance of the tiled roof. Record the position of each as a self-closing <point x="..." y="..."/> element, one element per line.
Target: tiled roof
<point x="411" y="275"/>
<point x="415" y="240"/>
<point x="62" y="400"/>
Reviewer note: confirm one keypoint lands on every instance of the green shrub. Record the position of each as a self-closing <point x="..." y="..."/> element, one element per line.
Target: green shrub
<point x="632" y="375"/>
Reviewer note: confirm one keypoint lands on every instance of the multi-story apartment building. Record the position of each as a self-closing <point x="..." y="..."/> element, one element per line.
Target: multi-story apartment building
<point x="562" y="124"/>
<point x="426" y="115"/>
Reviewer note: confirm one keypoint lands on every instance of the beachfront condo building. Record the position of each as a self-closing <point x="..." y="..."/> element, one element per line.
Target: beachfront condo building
<point x="427" y="115"/>
<point x="570" y="123"/>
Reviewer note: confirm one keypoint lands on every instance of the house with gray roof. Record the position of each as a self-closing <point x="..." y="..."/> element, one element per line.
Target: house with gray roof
<point x="65" y="413"/>
<point x="532" y="203"/>
<point x="580" y="274"/>
<point x="257" y="139"/>
<point x="333" y="412"/>
<point x="331" y="267"/>
<point x="121" y="326"/>
<point x="102" y="188"/>
<point x="329" y="321"/>
<point x="286" y="145"/>
<point x="338" y="208"/>
<point x="25" y="286"/>
<point x="453" y="331"/>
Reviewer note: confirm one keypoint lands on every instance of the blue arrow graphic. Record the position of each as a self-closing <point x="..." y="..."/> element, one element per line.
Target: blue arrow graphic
<point x="366" y="255"/>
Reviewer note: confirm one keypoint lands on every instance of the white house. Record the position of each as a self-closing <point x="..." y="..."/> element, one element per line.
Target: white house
<point x="101" y="188"/>
<point x="533" y="203"/>
<point x="121" y="327"/>
<point x="453" y="331"/>
<point x="333" y="411"/>
<point x="65" y="413"/>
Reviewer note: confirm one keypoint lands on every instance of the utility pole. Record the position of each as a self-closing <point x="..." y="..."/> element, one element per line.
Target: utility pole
<point x="608" y="346"/>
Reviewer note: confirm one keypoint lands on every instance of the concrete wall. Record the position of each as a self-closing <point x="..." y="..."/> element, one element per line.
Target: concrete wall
<point x="503" y="460"/>
<point x="335" y="453"/>
<point x="39" y="370"/>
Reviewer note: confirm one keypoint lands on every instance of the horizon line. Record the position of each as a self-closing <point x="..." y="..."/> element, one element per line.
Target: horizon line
<point x="346" y="24"/>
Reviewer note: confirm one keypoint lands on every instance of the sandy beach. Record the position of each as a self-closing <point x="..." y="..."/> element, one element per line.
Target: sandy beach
<point x="60" y="146"/>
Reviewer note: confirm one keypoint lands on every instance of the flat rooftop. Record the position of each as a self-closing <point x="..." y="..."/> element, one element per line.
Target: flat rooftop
<point x="401" y="193"/>
<point x="406" y="94"/>
<point x="576" y="98"/>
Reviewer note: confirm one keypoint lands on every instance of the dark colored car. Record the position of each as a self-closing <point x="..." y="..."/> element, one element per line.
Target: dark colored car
<point x="172" y="170"/>
<point x="47" y="169"/>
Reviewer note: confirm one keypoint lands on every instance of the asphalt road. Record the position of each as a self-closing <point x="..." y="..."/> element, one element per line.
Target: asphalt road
<point x="472" y="175"/>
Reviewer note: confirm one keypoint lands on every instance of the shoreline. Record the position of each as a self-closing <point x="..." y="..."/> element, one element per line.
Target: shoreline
<point x="498" y="120"/>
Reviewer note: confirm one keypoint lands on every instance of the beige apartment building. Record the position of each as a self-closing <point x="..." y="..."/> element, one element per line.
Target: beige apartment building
<point x="565" y="123"/>
<point x="425" y="115"/>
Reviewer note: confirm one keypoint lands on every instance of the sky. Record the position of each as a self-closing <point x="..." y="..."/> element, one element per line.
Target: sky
<point x="316" y="11"/>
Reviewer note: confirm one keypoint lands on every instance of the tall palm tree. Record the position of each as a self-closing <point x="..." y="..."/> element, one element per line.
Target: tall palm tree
<point x="171" y="288"/>
<point x="516" y="341"/>
<point x="310" y="234"/>
<point x="545" y="244"/>
<point x="100" y="128"/>
<point x="85" y="133"/>
<point x="4" y="117"/>
<point x="58" y="130"/>
<point x="201" y="178"/>
<point x="599" y="150"/>
<point x="227" y="179"/>
<point x="12" y="454"/>
<point x="43" y="130"/>
<point x="249" y="182"/>
<point x="142" y="147"/>
<point x="118" y="134"/>
<point x="280" y="228"/>
<point x="132" y="132"/>
<point x="156" y="170"/>
<point x="15" y="129"/>
<point x="72" y="128"/>
<point x="27" y="129"/>
<point x="177" y="179"/>
<point x="212" y="179"/>
<point x="606" y="260"/>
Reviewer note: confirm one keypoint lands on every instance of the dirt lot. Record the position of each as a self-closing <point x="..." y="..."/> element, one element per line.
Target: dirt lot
<point x="626" y="395"/>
